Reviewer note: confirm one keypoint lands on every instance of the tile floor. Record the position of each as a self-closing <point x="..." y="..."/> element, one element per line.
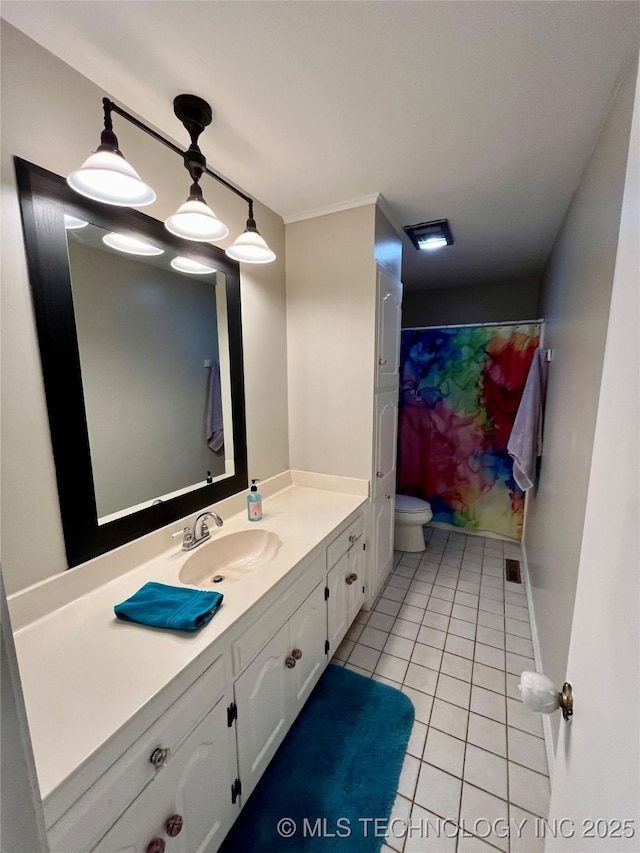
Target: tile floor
<point x="452" y="634"/>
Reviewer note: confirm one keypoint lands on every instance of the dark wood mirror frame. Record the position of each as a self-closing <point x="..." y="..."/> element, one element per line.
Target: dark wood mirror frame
<point x="44" y="198"/>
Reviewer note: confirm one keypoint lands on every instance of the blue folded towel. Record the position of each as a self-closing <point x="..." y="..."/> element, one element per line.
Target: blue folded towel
<point x="165" y="606"/>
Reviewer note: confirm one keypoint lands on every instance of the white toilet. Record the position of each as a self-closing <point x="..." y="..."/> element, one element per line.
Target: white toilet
<point x="411" y="514"/>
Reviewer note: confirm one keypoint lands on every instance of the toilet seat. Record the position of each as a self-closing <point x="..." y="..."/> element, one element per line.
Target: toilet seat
<point x="407" y="503"/>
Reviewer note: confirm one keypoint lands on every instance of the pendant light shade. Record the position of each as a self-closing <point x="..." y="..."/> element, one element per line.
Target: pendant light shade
<point x="194" y="220"/>
<point x="107" y="177"/>
<point x="250" y="247"/>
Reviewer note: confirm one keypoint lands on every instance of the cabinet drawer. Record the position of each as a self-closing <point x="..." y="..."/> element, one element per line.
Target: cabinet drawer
<point x="344" y="541"/>
<point x="88" y="819"/>
<point x="257" y="635"/>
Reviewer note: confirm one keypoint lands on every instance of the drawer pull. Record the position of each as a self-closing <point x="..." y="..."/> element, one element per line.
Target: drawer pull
<point x="296" y="654"/>
<point x="156" y="845"/>
<point x="349" y="580"/>
<point x="174" y="825"/>
<point x="159" y="757"/>
<point x="353" y="538"/>
<point x="290" y="662"/>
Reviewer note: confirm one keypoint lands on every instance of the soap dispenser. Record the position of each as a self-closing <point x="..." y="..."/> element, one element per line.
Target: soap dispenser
<point x="254" y="503"/>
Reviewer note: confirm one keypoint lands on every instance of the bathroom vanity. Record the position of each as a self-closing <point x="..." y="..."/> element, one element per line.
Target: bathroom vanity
<point x="148" y="739"/>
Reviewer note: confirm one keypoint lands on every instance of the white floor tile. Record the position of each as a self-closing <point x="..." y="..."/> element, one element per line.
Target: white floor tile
<point x="471" y="587"/>
<point x="389" y="607"/>
<point x="520" y="629"/>
<point x="520" y="717"/>
<point x="519" y="613"/>
<point x="470" y="844"/>
<point x="459" y="646"/>
<point x="408" y="777"/>
<point x="417" y="599"/>
<point x="456" y="667"/>
<point x="408" y="630"/>
<point x="491" y="606"/>
<point x="421" y="587"/>
<point x="364" y="657"/>
<point x="344" y="650"/>
<point x="427" y="833"/>
<point x="439" y="792"/>
<point x="488" y="677"/>
<point x="360" y="670"/>
<point x="432" y="637"/>
<point x="394" y="593"/>
<point x="411" y="614"/>
<point x="524" y="837"/>
<point x="422" y="703"/>
<point x="462" y="629"/>
<point x="486" y="770"/>
<point x="478" y="807"/>
<point x="380" y="621"/>
<point x="453" y="691"/>
<point x="489" y="656"/>
<point x="527" y="750"/>
<point x="426" y="656"/>
<point x="496" y="593"/>
<point x="490" y="637"/>
<point x="421" y="678"/>
<point x="512" y="686"/>
<point x="355" y="631"/>
<point x="399" y="581"/>
<point x="519" y="646"/>
<point x="444" y="751"/>
<point x="435" y="620"/>
<point x="417" y="739"/>
<point x="488" y="704"/>
<point x="391" y="667"/>
<point x="449" y="719"/>
<point x="397" y="685"/>
<point x="373" y="638"/>
<point x="491" y="620"/>
<point x="528" y="789"/>
<point x="445" y="593"/>
<point x="466" y="599"/>
<point x="400" y="813"/>
<point x="467" y="614"/>
<point x="399" y="646"/>
<point x="488" y="734"/>
<point x="437" y="605"/>
<point x="517" y="664"/>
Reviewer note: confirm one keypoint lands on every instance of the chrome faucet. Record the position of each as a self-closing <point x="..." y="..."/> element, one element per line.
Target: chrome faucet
<point x="192" y="537"/>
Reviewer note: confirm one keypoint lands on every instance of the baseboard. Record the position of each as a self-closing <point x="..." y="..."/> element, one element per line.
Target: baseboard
<point x="485" y="534"/>
<point x="546" y="719"/>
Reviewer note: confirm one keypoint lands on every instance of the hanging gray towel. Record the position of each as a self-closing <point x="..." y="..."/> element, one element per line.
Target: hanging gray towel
<point x="215" y="432"/>
<point x="525" y="442"/>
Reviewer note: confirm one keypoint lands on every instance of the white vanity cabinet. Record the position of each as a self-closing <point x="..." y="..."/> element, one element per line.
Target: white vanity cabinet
<point x="388" y="317"/>
<point x="191" y="795"/>
<point x="184" y="764"/>
<point x="346" y="566"/>
<point x="272" y="690"/>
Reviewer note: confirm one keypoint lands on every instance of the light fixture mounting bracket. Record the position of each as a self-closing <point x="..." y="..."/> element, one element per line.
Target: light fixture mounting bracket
<point x="195" y="114"/>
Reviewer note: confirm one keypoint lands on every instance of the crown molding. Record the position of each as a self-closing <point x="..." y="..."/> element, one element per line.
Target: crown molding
<point x="333" y="208"/>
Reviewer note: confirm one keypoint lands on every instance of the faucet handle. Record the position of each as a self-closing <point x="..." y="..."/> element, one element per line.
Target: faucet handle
<point x="187" y="536"/>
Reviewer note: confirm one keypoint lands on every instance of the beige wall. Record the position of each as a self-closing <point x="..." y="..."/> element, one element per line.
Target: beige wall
<point x="330" y="331"/>
<point x="52" y="116"/>
<point x="576" y="299"/>
<point x="488" y="303"/>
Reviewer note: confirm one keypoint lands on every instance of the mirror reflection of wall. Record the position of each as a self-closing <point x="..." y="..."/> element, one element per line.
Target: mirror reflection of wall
<point x="148" y="337"/>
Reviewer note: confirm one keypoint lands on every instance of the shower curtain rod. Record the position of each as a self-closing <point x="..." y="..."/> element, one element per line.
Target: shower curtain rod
<point x="472" y="325"/>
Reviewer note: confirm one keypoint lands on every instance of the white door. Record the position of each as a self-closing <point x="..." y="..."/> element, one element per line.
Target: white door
<point x="338" y="603"/>
<point x="382" y="535"/>
<point x="195" y="785"/>
<point x="596" y="780"/>
<point x="385" y="440"/>
<point x="388" y="315"/>
<point x="263" y="710"/>
<point x="307" y="631"/>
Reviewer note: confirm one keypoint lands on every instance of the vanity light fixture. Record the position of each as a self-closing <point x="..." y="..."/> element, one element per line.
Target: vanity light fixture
<point x="106" y="176"/>
<point x="130" y="245"/>
<point x="188" y="265"/>
<point x="428" y="236"/>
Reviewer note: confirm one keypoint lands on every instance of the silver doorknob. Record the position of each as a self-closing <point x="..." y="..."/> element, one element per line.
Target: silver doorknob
<point x="159" y="756"/>
<point x="540" y="695"/>
<point x="379" y="474"/>
<point x="382" y="361"/>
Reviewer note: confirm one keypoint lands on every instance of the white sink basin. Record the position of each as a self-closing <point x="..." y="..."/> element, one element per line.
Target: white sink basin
<point x="233" y="556"/>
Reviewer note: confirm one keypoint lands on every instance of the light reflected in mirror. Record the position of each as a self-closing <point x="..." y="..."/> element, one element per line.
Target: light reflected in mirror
<point x="153" y="342"/>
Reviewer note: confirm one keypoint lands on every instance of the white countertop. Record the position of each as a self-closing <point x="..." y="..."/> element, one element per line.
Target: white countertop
<point x="85" y="674"/>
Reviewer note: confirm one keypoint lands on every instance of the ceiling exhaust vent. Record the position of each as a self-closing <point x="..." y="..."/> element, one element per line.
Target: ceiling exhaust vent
<point x="428" y="236"/>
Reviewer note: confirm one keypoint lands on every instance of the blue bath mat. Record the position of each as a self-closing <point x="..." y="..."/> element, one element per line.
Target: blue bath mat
<point x="335" y="773"/>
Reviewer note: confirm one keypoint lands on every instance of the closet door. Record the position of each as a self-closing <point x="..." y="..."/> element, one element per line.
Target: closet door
<point x="388" y="315"/>
<point x="386" y="433"/>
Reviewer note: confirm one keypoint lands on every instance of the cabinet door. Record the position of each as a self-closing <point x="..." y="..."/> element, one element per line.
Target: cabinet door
<point x="386" y="433"/>
<point x="388" y="314"/>
<point x="307" y="632"/>
<point x="195" y="784"/>
<point x="338" y="609"/>
<point x="263" y="713"/>
<point x="357" y="567"/>
<point x="382" y="534"/>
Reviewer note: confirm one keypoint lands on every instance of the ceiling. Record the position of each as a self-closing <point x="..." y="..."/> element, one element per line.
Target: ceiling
<point x="480" y="112"/>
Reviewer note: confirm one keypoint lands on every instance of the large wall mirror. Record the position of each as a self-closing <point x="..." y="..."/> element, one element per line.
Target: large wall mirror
<point x="141" y="349"/>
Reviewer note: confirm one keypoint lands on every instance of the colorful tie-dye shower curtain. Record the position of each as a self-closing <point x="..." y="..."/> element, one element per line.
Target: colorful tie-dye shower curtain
<point x="459" y="393"/>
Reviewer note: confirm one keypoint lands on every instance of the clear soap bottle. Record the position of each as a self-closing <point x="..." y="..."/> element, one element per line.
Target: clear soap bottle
<point x="254" y="503"/>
